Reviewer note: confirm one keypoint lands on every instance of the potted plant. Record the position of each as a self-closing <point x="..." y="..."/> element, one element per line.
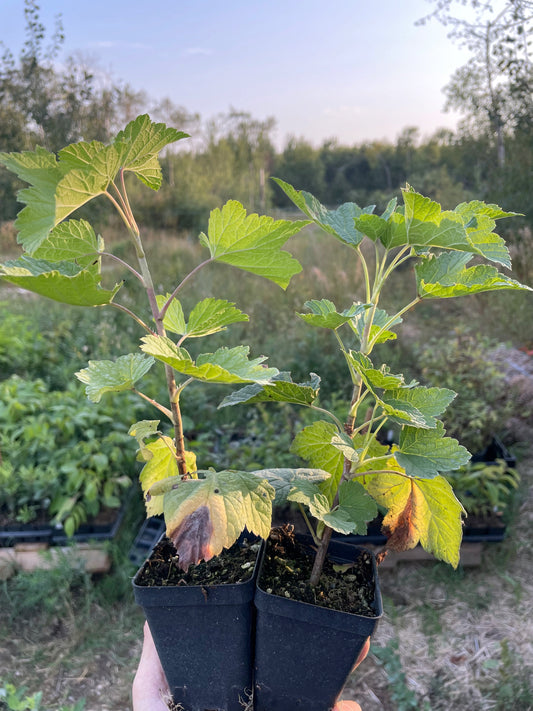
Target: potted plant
<point x="205" y="511"/>
<point x="405" y="479"/>
<point x="350" y="474"/>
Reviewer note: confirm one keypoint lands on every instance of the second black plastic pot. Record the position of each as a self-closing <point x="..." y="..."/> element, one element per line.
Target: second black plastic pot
<point x="203" y="636"/>
<point x="305" y="653"/>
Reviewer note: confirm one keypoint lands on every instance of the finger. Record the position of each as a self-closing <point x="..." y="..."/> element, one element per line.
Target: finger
<point x="362" y="654"/>
<point x="150" y="684"/>
<point x="346" y="706"/>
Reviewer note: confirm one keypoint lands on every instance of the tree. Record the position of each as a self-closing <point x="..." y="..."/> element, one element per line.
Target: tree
<point x="495" y="88"/>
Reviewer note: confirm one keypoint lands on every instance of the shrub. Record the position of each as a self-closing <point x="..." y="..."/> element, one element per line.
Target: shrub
<point x="62" y="457"/>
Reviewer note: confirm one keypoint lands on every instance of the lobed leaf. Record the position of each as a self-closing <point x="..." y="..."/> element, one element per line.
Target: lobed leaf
<point x="280" y="389"/>
<point x="351" y="515"/>
<point x="313" y="444"/>
<point x="42" y="171"/>
<point x="423" y="453"/>
<point x="226" y="365"/>
<point x="446" y="275"/>
<point x="71" y="241"/>
<point x="60" y="281"/>
<point x="141" y="431"/>
<point x="423" y="511"/>
<point x="340" y="222"/>
<point x="325" y="315"/>
<point x="207" y="317"/>
<point x="104" y="376"/>
<point x="204" y="516"/>
<point x="418" y="405"/>
<point x="161" y="474"/>
<point x="252" y="243"/>
<point x="283" y="480"/>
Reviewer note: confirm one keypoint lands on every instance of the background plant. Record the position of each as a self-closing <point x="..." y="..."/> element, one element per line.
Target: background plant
<point x="462" y="362"/>
<point x="63" y="460"/>
<point x="485" y="489"/>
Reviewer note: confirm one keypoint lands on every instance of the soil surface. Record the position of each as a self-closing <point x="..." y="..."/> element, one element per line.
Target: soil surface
<point x="234" y="565"/>
<point x="287" y="567"/>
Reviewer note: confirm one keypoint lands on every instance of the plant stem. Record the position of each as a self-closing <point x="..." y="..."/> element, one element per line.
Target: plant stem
<point x="329" y="414"/>
<point x="323" y="545"/>
<point x="122" y="262"/>
<point x="153" y="402"/>
<point x="308" y="524"/>
<point x="173" y="392"/>
<point x="133" y="316"/>
<point x="181" y="284"/>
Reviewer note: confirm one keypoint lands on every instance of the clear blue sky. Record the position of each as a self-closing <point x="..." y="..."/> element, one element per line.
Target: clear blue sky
<point x="356" y="70"/>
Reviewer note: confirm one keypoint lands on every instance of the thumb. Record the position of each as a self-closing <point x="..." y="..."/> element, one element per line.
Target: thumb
<point x="346" y="706"/>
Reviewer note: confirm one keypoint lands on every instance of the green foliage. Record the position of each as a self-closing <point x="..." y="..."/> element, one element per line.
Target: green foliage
<point x="62" y="459"/>
<point x="64" y="260"/>
<point x="485" y="488"/>
<point x="421" y="507"/>
<point x="402" y="696"/>
<point x="462" y="362"/>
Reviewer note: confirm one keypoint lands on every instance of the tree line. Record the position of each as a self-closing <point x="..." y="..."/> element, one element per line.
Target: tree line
<point x="489" y="156"/>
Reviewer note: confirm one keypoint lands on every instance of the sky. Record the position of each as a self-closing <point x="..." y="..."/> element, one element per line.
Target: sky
<point x="353" y="70"/>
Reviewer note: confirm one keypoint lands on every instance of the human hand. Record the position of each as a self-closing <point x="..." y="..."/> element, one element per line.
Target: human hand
<point x="150" y="688"/>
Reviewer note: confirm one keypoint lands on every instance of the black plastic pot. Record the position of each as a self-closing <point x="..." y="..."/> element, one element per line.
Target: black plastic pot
<point x="15" y="533"/>
<point x="304" y="653"/>
<point x="203" y="636"/>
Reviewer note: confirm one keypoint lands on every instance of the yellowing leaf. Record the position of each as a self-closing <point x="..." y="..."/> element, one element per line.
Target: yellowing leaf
<point x="161" y="465"/>
<point x="423" y="511"/>
<point x="203" y="516"/>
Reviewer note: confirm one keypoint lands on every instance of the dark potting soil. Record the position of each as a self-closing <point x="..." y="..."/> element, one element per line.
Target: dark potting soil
<point x="234" y="565"/>
<point x="287" y="568"/>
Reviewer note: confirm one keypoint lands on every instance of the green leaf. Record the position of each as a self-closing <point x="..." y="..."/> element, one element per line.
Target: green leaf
<point x="252" y="243"/>
<point x="423" y="453"/>
<point x="423" y="224"/>
<point x="139" y="144"/>
<point x="479" y="219"/>
<point x="174" y="320"/>
<point x="281" y="389"/>
<point x="324" y="314"/>
<point x="141" y="430"/>
<point x="446" y="276"/>
<point x="71" y="241"/>
<point x="372" y="226"/>
<point x="356" y="505"/>
<point x="226" y="365"/>
<point x="353" y="512"/>
<point x="83" y="171"/>
<point x="313" y="444"/>
<point x="375" y="379"/>
<point x="104" y="376"/>
<point x="204" y="516"/>
<point x="380" y="319"/>
<point x="41" y="169"/>
<point x="419" y="406"/>
<point x="60" y="281"/>
<point x="340" y="222"/>
<point x="207" y="317"/>
<point x="423" y="511"/>
<point x="344" y="444"/>
<point x="283" y="480"/>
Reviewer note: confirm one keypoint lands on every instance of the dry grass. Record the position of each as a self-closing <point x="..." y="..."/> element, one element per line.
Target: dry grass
<point x="466" y="638"/>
